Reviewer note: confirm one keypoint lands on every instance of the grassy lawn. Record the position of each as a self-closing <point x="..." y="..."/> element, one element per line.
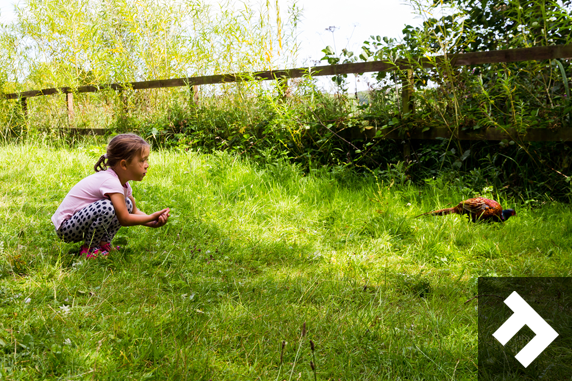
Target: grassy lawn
<point x="258" y="265"/>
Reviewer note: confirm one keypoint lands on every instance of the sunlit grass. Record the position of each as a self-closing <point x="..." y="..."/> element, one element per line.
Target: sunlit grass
<point x="254" y="253"/>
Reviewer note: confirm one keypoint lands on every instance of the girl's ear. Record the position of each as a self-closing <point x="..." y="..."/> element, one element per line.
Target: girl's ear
<point x="123" y="164"/>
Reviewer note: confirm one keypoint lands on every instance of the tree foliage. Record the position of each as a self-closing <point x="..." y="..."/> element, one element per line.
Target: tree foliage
<point x="504" y="24"/>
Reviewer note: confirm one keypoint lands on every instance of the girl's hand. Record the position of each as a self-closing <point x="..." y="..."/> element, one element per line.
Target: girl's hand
<point x="161" y="218"/>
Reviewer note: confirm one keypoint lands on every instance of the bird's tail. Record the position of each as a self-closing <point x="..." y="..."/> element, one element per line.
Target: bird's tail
<point x="440" y="212"/>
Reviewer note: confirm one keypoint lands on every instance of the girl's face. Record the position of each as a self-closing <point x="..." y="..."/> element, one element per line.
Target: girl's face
<point x="137" y="168"/>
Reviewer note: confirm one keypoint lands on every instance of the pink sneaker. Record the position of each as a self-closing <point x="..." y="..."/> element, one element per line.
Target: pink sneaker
<point x="93" y="252"/>
<point x="89" y="252"/>
<point x="97" y="251"/>
<point x="84" y="251"/>
<point x="106" y="247"/>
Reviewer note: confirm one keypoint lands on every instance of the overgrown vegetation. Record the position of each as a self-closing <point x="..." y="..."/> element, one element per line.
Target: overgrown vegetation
<point x="294" y="119"/>
<point x="261" y="270"/>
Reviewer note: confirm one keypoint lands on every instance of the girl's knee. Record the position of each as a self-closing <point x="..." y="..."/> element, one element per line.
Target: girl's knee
<point x="107" y="205"/>
<point x="106" y="208"/>
<point x="129" y="204"/>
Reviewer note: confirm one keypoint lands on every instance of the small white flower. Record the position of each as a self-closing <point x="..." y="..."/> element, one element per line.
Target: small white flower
<point x="27" y="300"/>
<point x="408" y="204"/>
<point x="67" y="342"/>
<point x="65" y="309"/>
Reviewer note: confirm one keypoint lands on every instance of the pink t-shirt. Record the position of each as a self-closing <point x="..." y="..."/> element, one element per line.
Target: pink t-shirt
<point x="89" y="190"/>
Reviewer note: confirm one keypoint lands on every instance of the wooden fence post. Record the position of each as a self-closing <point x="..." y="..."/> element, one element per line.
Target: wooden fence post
<point x="24" y="104"/>
<point x="69" y="102"/>
<point x="407" y="104"/>
<point x="284" y="87"/>
<point x="406" y="150"/>
<point x="194" y="94"/>
<point x="122" y="102"/>
<point x="125" y="102"/>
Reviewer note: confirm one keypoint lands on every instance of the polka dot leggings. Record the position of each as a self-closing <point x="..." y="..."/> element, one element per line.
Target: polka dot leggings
<point x="93" y="224"/>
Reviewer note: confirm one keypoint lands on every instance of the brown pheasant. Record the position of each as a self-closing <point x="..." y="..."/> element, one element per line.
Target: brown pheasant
<point x="478" y="209"/>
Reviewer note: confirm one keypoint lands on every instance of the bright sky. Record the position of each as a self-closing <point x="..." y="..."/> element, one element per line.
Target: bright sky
<point x="352" y="21"/>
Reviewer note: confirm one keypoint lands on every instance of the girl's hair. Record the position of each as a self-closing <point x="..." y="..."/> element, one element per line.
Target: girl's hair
<point x="121" y="147"/>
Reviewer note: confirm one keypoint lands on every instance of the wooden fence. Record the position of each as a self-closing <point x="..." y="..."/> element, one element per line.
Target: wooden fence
<point x="465" y="59"/>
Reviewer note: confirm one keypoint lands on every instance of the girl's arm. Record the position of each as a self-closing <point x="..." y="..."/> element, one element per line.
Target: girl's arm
<point x="138" y="218"/>
<point x="162" y="220"/>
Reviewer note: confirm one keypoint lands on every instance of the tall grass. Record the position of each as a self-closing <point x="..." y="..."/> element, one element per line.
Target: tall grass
<point x="256" y="261"/>
<point x="60" y="44"/>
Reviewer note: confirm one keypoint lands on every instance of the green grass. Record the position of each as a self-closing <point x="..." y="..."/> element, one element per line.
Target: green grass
<point x="251" y="255"/>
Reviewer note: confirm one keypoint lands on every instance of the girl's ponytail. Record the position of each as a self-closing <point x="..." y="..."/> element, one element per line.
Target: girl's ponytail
<point x="101" y="164"/>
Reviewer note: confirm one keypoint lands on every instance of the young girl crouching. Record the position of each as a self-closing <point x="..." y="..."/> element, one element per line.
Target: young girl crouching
<point x="97" y="206"/>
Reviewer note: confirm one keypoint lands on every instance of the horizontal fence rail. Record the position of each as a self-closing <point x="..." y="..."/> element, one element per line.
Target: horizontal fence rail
<point x="464" y="59"/>
<point x="530" y="135"/>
